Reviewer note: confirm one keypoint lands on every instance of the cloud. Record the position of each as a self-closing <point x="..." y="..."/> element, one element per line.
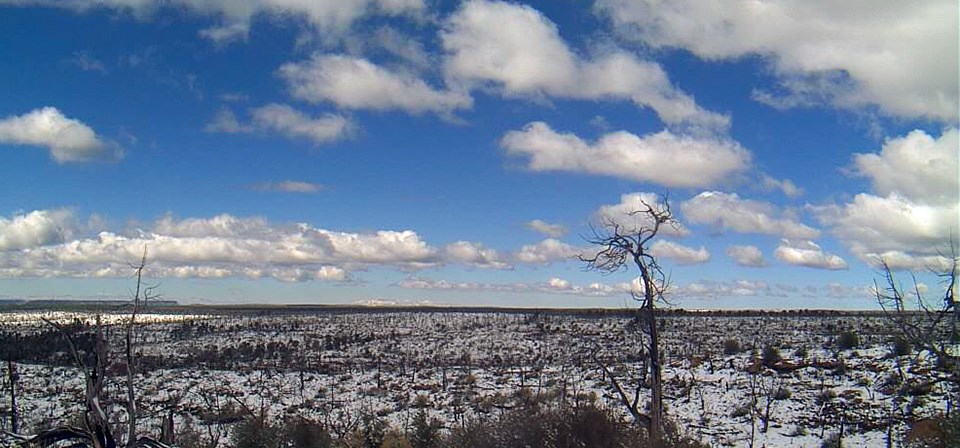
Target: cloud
<point x="546" y="229"/>
<point x="663" y="158"/>
<point x="704" y="289"/>
<point x="559" y="285"/>
<point x="790" y="189"/>
<point x="839" y="291"/>
<point x="899" y="260"/>
<point x="227" y="33"/>
<point x="355" y="83"/>
<point x="474" y="255"/>
<point x="622" y="214"/>
<point x="403" y="47"/>
<point x="87" y="63"/>
<point x="221" y="246"/>
<point x="729" y="211"/>
<point x="677" y="252"/>
<point x="547" y="251"/>
<point x="68" y="139"/>
<point x="324" y="273"/>
<point x="424" y="283"/>
<point x="910" y="215"/>
<point x="517" y="52"/>
<point x="807" y="254"/>
<point x="226" y="121"/>
<point x="293" y="123"/>
<point x="333" y="17"/>
<point x="233" y="97"/>
<point x="917" y="166"/>
<point x="876" y="226"/>
<point x="288" y="186"/>
<point x="34" y="229"/>
<point x="554" y="285"/>
<point x="898" y="56"/>
<point x="710" y="289"/>
<point x="746" y="256"/>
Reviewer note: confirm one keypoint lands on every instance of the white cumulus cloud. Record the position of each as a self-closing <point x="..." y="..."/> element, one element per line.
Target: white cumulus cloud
<point x="807" y="254"/>
<point x="234" y="17"/>
<point x="355" y="83"/>
<point x="546" y="229"/>
<point x="226" y="121"/>
<point x="293" y="123"/>
<point x="474" y="254"/>
<point x="547" y="251"/>
<point x="916" y="166"/>
<point x="34" y="229"/>
<point x="910" y="216"/>
<point x="747" y="256"/>
<point x="899" y="56"/>
<point x="68" y="139"/>
<point x="729" y="211"/>
<point x="679" y="253"/>
<point x="877" y="226"/>
<point x="663" y="158"/>
<point x="35" y="244"/>
<point x="518" y="52"/>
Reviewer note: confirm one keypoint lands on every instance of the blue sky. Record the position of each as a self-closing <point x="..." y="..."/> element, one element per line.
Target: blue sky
<point x="416" y="151"/>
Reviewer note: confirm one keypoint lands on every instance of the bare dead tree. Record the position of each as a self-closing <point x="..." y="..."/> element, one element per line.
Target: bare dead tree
<point x="141" y="295"/>
<point x="96" y="432"/>
<point x="618" y="247"/>
<point x="931" y="325"/>
<point x="12" y="376"/>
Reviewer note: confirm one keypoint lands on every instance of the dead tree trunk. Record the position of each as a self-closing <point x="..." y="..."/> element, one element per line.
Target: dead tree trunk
<point x="648" y="313"/>
<point x="14" y="411"/>
<point x="656" y="379"/>
<point x="129" y="352"/>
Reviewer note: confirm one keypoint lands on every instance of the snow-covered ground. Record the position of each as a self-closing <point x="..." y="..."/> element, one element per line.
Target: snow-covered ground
<point x="335" y="367"/>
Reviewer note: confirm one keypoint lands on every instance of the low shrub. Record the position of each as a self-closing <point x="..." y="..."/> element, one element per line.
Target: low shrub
<point x="848" y="340"/>
<point x="937" y="431"/>
<point x="770" y="356"/>
<point x="782" y="393"/>
<point x="900" y="346"/>
<point x="731" y="347"/>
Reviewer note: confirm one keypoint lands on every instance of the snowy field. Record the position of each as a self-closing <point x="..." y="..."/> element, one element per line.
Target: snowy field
<point x="209" y="369"/>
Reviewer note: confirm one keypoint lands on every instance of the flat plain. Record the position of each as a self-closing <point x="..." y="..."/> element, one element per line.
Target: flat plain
<point x="731" y="378"/>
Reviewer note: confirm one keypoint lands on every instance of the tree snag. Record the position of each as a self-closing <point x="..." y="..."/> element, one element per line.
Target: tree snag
<point x="619" y="246"/>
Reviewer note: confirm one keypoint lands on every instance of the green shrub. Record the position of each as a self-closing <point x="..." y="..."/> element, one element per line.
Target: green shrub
<point x="425" y="432"/>
<point x="826" y="396"/>
<point x="303" y="433"/>
<point x="731" y="347"/>
<point x="832" y="441"/>
<point x="782" y="393"/>
<point x="848" y="340"/>
<point x="560" y="427"/>
<point x="841" y="368"/>
<point x="900" y="346"/>
<point x="770" y="356"/>
<point x="800" y="352"/>
<point x="937" y="431"/>
<point x="255" y="432"/>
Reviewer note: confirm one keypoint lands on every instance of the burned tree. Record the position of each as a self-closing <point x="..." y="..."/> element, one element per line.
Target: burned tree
<point x="141" y="295"/>
<point x="92" y="360"/>
<point x="619" y="246"/>
<point x="932" y="325"/>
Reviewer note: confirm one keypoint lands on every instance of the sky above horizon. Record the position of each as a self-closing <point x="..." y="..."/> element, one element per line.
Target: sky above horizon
<point x="419" y="151"/>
